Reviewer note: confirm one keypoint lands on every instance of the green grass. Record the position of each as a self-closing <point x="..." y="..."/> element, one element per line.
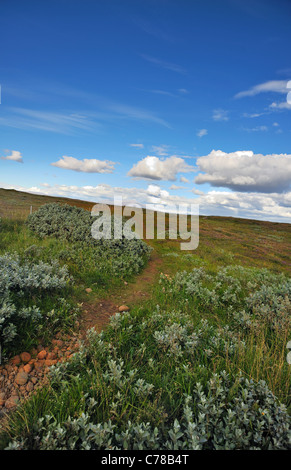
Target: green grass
<point x="131" y="338"/>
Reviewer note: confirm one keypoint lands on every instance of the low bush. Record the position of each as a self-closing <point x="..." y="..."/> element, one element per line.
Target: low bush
<point x="92" y="260"/>
<point x="26" y="289"/>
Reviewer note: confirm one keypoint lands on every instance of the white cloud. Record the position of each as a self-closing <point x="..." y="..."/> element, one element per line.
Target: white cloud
<point x="246" y="171"/>
<point x="202" y="132"/>
<point x="278" y="86"/>
<point x="15" y="156"/>
<point x="256" y="129"/>
<point x="197" y="192"/>
<point x="161" y="151"/>
<point x="281" y="105"/>
<point x="174" y="187"/>
<point x="153" y="168"/>
<point x="184" y="180"/>
<point x="253" y="115"/>
<point x="138" y="146"/>
<point x="220" y="115"/>
<point x="87" y="165"/>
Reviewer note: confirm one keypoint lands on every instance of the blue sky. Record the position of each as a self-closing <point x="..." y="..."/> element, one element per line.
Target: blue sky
<point x="108" y="97"/>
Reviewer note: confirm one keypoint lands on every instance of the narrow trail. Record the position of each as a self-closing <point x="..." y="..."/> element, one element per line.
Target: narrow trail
<point x="97" y="314"/>
<point x="21" y="377"/>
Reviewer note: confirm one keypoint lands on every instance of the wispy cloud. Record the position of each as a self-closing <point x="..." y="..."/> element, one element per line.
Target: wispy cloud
<point x="163" y="64"/>
<point x="160" y="150"/>
<point x="138" y="146"/>
<point x="277" y="86"/>
<point x="220" y="115"/>
<point x="64" y="123"/>
<point x="184" y="180"/>
<point x="202" y="132"/>
<point x="150" y="28"/>
<point x="256" y="129"/>
<point x="253" y="115"/>
<point x="282" y="105"/>
<point x="131" y="112"/>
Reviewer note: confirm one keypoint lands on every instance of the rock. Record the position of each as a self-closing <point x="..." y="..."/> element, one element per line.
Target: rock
<point x="39" y="365"/>
<point x="2" y="398"/>
<point x="11" y="402"/>
<point x="58" y="342"/>
<point x="49" y="362"/>
<point x="88" y="290"/>
<point x="15" y="360"/>
<point x="25" y="357"/>
<point x="29" y="387"/>
<point x="27" y="368"/>
<point x="21" y="378"/>
<point x="42" y="354"/>
<point x="123" y="308"/>
<point x="51" y="356"/>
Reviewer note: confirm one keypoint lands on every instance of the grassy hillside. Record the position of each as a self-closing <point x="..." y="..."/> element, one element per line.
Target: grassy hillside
<point x="222" y="239"/>
<point x="198" y="361"/>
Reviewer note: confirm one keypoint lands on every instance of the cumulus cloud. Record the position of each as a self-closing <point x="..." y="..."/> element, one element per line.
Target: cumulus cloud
<point x="15" y="156"/>
<point x="87" y="165"/>
<point x="246" y="171"/>
<point x="278" y="86"/>
<point x="202" y="132"/>
<point x="154" y="168"/>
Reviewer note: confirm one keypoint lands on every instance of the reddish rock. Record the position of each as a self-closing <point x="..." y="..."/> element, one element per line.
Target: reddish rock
<point x="48" y="362"/>
<point x="15" y="360"/>
<point x="123" y="308"/>
<point x="38" y="365"/>
<point x="29" y="387"/>
<point x="11" y="402"/>
<point x="51" y="356"/>
<point x="27" y="368"/>
<point x="42" y="354"/>
<point x="2" y="398"/>
<point x="25" y="357"/>
<point x="21" y="378"/>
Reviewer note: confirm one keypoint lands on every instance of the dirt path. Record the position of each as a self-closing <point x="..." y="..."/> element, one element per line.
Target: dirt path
<point x="23" y="376"/>
<point x="97" y="314"/>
